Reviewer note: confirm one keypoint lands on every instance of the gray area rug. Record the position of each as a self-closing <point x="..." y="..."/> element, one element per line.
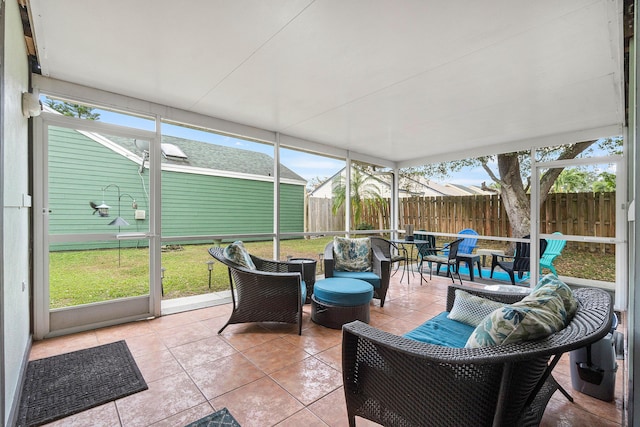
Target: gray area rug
<point x="58" y="386"/>
<point x="221" y="418"/>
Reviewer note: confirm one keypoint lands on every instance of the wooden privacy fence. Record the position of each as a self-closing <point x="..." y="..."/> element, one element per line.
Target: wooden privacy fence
<point x="320" y="216"/>
<point x="582" y="214"/>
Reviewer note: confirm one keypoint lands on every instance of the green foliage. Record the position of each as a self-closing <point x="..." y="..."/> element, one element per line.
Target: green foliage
<point x="576" y="180"/>
<point x="73" y="110"/>
<point x="605" y="182"/>
<point x="364" y="190"/>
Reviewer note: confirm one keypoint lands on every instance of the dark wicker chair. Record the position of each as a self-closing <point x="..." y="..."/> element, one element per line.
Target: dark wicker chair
<point x="381" y="266"/>
<point x="396" y="381"/>
<point x="271" y="293"/>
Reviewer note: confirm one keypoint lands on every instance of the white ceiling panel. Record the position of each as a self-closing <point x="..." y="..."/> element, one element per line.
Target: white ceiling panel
<point x="398" y="80"/>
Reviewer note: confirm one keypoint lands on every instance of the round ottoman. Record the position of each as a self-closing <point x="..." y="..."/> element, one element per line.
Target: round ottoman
<point x="339" y="300"/>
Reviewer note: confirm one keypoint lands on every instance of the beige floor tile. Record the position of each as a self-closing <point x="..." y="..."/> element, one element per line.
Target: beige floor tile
<point x="183" y="334"/>
<point x="101" y="416"/>
<point x="165" y="397"/>
<point x="332" y="357"/>
<point x="308" y="380"/>
<point x="202" y="353"/>
<point x="185" y="417"/>
<point x="260" y="403"/>
<point x="304" y="418"/>
<point x="275" y="355"/>
<point x="143" y="344"/>
<point x="65" y="344"/>
<point x="316" y="339"/>
<point x="224" y="375"/>
<point x="128" y="330"/>
<point x="157" y="365"/>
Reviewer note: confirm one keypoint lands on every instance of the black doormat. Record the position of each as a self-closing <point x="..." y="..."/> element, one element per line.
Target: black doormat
<point x="59" y="386"/>
<point x="221" y="418"/>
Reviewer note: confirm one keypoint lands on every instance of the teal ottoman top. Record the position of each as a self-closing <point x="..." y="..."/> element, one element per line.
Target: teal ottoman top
<point x="343" y="292"/>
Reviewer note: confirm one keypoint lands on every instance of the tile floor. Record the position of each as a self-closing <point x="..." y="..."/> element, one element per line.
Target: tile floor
<point x="266" y="374"/>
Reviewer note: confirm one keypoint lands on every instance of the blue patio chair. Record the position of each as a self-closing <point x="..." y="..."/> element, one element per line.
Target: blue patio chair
<point x="468" y="244"/>
<point x="554" y="248"/>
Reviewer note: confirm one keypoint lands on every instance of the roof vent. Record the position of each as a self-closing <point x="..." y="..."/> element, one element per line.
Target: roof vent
<point x="170" y="150"/>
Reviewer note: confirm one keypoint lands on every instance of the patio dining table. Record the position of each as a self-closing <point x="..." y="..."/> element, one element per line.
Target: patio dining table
<point x="410" y="244"/>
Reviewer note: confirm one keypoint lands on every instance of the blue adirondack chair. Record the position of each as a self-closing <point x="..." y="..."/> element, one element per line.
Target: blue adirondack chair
<point x="554" y="248"/>
<point x="468" y="244"/>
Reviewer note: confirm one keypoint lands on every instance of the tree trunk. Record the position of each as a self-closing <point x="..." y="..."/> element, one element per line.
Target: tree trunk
<point x="513" y="194"/>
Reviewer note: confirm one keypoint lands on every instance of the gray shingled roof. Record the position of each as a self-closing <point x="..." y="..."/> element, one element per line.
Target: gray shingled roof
<point x="212" y="156"/>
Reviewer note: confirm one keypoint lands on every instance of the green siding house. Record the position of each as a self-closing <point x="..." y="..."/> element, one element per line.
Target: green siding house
<point x="207" y="189"/>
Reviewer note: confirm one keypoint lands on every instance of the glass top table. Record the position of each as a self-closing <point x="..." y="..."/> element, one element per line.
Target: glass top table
<point x="412" y="244"/>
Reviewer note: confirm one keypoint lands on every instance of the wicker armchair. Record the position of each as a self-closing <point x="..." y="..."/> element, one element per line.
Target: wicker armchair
<point x="271" y="293"/>
<point x="396" y="381"/>
<point x="381" y="267"/>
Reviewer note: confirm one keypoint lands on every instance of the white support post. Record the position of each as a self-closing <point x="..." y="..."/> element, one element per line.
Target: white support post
<point x="276" y="197"/>
<point x="347" y="196"/>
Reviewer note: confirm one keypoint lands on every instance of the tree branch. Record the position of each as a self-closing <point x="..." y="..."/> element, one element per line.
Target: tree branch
<point x="550" y="176"/>
<point x="488" y="170"/>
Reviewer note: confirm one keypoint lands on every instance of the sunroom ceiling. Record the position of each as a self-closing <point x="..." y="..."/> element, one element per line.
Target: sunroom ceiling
<point x="405" y="81"/>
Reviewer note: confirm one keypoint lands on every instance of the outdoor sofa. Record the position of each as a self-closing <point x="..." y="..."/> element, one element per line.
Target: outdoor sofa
<point x="397" y="381"/>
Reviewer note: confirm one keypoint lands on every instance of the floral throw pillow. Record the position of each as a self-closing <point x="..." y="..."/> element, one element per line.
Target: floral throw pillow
<point x="471" y="309"/>
<point x="551" y="284"/>
<point x="533" y="317"/>
<point x="236" y="252"/>
<point x="352" y="254"/>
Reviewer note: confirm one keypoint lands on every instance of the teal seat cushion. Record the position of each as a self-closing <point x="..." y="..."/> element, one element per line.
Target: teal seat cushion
<point x="367" y="276"/>
<point x="303" y="289"/>
<point x="442" y="331"/>
<point x="343" y="292"/>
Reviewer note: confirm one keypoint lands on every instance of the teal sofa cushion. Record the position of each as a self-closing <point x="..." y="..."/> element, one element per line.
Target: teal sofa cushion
<point x="442" y="331"/>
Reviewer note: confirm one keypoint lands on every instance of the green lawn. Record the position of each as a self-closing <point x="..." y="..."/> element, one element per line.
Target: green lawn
<point x="81" y="277"/>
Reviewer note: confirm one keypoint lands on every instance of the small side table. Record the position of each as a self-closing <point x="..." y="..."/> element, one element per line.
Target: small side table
<point x="485" y="252"/>
<point x="307" y="266"/>
<point x="470" y="259"/>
